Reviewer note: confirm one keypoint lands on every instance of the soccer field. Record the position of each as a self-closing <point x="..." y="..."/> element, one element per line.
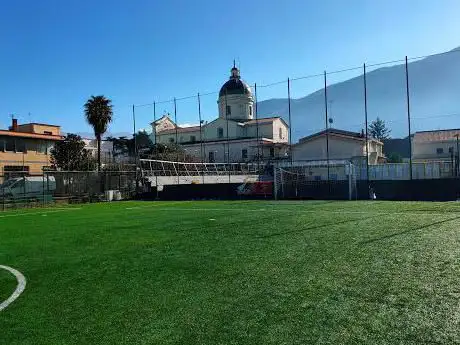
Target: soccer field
<point x="233" y="272"/>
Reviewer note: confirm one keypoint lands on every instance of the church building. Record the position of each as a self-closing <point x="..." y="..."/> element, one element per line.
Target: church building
<point x="235" y="136"/>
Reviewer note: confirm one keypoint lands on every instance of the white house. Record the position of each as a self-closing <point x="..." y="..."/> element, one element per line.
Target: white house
<point x="235" y="136"/>
<point x="343" y="145"/>
<point x="439" y="145"/>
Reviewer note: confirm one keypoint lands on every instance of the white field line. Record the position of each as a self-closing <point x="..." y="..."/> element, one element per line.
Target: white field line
<point x="39" y="213"/>
<point x="19" y="288"/>
<point x="418" y="213"/>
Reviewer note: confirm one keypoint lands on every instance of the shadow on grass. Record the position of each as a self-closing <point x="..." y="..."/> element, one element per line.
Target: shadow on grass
<point x="381" y="238"/>
<point x="317" y="227"/>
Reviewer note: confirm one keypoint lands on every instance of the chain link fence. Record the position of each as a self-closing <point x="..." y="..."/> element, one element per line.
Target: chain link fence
<point x="22" y="190"/>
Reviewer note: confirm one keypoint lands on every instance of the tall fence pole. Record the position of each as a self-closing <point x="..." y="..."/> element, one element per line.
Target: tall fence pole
<point x="135" y="152"/>
<point x="408" y="119"/>
<point x="290" y="121"/>
<point x="134" y="133"/>
<point x="201" y="135"/>
<point x="155" y="140"/>
<point x="177" y="137"/>
<point x="228" y="143"/>
<point x="257" y="128"/>
<point x="458" y="157"/>
<point x="327" y="126"/>
<point x="366" y="124"/>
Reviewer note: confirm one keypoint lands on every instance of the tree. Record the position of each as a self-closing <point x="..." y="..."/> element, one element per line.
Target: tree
<point x="123" y="146"/>
<point x="379" y="130"/>
<point x="170" y="152"/>
<point x="394" y="158"/>
<point x="143" y="140"/>
<point x="70" y="154"/>
<point x="98" y="113"/>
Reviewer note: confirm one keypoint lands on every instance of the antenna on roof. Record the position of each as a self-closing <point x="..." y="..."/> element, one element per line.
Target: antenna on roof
<point x="234" y="63"/>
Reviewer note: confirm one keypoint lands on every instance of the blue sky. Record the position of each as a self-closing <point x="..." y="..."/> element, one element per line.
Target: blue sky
<point x="55" y="54"/>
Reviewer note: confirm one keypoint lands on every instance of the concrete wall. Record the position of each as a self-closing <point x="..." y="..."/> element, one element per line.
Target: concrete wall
<point x="339" y="149"/>
<point x="32" y="159"/>
<point x="39" y="129"/>
<point x="427" y="151"/>
<point x="236" y="148"/>
<point x="240" y="107"/>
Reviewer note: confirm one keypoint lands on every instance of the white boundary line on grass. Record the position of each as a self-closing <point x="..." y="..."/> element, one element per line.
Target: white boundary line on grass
<point x="418" y="213"/>
<point x="19" y="288"/>
<point x="40" y="213"/>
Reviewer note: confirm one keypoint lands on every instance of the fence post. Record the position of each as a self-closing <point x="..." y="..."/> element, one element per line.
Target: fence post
<point x="366" y="124"/>
<point x="290" y="120"/>
<point x="327" y="131"/>
<point x="408" y="119"/>
<point x="257" y="127"/>
<point x="43" y="187"/>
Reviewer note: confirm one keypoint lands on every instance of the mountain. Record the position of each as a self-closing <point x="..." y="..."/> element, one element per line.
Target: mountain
<point x="434" y="99"/>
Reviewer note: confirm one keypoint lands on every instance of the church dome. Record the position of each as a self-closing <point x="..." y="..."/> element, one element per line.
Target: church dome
<point x="235" y="86"/>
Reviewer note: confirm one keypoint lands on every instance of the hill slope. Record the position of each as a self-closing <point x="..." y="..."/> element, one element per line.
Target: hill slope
<point x="434" y="99"/>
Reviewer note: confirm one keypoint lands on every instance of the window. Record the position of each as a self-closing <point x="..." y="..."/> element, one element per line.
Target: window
<point x="281" y="133"/>
<point x="229" y="110"/>
<point x="272" y="152"/>
<point x="250" y="110"/>
<point x="244" y="154"/>
<point x="220" y="132"/>
<point x="47" y="132"/>
<point x="12" y="171"/>
<point x="192" y="138"/>
<point x="9" y="144"/>
<point x="451" y="150"/>
<point x="20" y="146"/>
<point x="42" y="147"/>
<point x="211" y="157"/>
<point x="171" y="140"/>
<point x="439" y="150"/>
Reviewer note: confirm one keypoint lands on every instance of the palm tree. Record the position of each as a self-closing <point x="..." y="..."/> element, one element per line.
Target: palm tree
<point x="98" y="113"/>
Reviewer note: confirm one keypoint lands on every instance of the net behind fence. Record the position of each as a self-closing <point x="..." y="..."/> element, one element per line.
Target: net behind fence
<point x="316" y="181"/>
<point x="24" y="190"/>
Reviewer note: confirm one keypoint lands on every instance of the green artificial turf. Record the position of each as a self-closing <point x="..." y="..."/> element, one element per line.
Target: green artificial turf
<point x="255" y="272"/>
<point x="7" y="285"/>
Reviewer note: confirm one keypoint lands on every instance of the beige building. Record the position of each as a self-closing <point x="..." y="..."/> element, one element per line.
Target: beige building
<point x="440" y="145"/>
<point x="235" y="136"/>
<point x="26" y="148"/>
<point x="343" y="145"/>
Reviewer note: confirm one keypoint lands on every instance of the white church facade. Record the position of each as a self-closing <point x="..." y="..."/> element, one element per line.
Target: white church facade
<point x="235" y="136"/>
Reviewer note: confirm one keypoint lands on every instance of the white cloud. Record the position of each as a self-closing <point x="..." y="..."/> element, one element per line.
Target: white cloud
<point x="188" y="124"/>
